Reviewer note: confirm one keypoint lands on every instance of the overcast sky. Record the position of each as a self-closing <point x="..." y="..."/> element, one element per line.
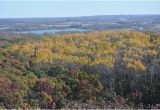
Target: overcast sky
<point x="67" y="8"/>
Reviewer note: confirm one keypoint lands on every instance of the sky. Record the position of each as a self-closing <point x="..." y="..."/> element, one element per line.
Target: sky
<point x="70" y="8"/>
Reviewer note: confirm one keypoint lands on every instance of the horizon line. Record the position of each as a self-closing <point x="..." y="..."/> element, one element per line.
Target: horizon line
<point x="81" y="16"/>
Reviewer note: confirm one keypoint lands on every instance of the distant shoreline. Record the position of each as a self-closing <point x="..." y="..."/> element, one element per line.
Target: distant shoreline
<point x="81" y="16"/>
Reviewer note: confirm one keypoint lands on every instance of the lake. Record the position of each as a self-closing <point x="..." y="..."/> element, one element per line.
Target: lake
<point x="53" y="31"/>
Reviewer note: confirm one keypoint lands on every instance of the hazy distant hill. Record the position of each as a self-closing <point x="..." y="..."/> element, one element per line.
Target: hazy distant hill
<point x="147" y="23"/>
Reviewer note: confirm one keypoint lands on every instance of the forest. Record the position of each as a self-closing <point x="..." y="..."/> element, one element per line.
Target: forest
<point x="101" y="69"/>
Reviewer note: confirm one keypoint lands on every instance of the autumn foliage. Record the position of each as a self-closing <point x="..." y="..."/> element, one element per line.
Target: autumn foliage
<point x="120" y="68"/>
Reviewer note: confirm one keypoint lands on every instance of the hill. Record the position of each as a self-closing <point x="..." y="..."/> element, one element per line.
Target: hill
<point x="102" y="69"/>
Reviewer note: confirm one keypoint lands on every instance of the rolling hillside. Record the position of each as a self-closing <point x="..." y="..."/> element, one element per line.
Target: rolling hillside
<point x="102" y="69"/>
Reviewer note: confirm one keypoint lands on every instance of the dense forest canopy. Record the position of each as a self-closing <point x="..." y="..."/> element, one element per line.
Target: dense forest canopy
<point x="105" y="69"/>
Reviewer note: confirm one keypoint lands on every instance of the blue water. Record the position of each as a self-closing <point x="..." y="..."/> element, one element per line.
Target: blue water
<point x="53" y="31"/>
